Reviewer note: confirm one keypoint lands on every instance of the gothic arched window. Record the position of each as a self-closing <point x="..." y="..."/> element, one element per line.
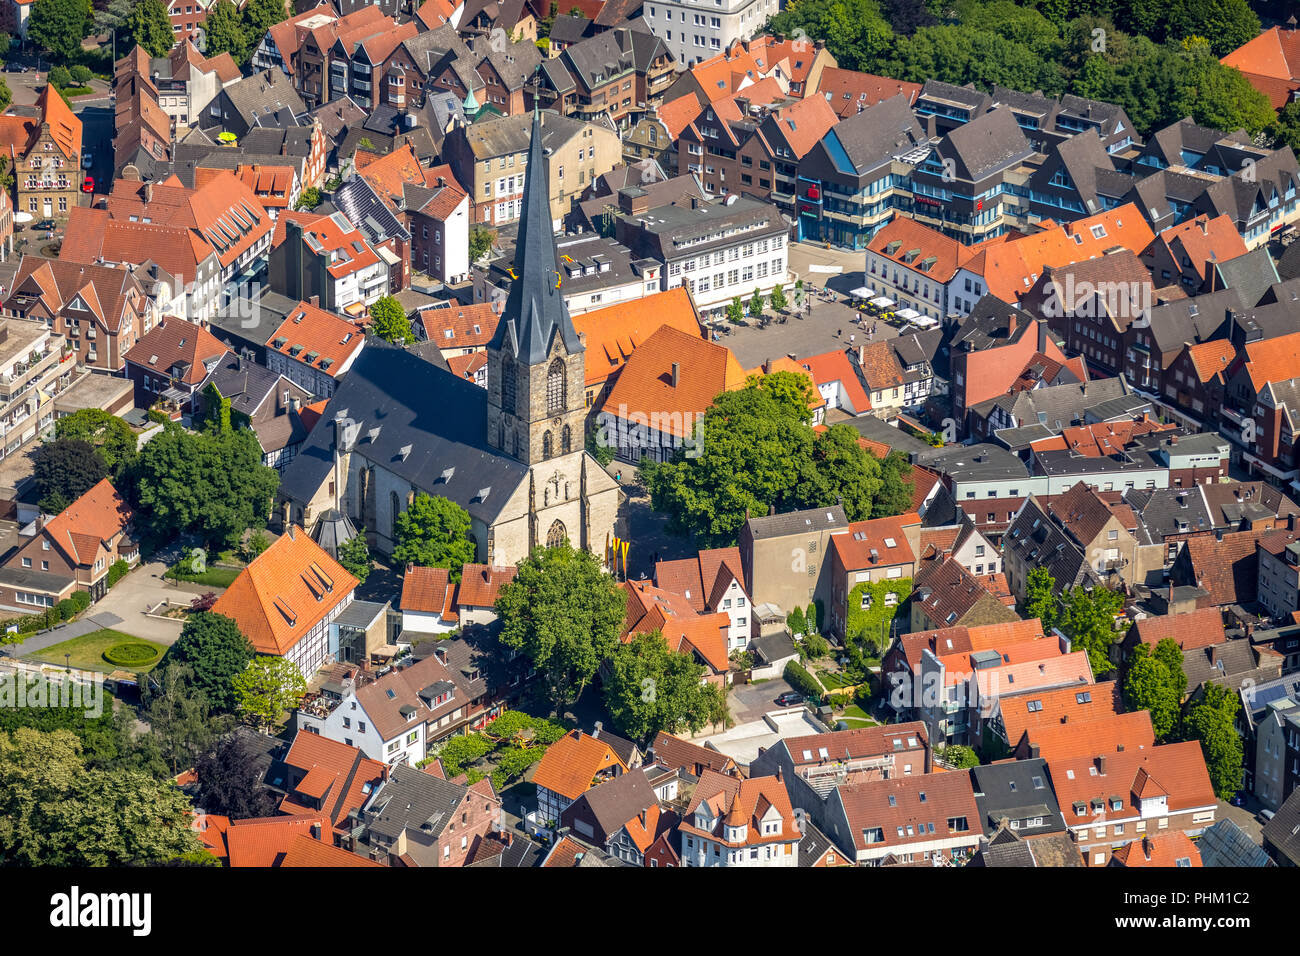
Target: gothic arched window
<point x="508" y="384"/>
<point x="566" y="441"/>
<point x="557" y="535"/>
<point x="547" y="450"/>
<point x="555" y="382"/>
<point x="395" y="509"/>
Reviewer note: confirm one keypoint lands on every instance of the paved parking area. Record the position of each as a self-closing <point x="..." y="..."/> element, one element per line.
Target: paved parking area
<point x="749" y="702"/>
<point x="143" y="587"/>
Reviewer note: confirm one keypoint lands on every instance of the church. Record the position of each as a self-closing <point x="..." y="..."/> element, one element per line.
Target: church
<point x="513" y="455"/>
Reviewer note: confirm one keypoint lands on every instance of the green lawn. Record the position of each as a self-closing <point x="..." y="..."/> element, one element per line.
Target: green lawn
<point x="215" y="577"/>
<point x="855" y="716"/>
<point x="87" y="652"/>
<point x="831" y="681"/>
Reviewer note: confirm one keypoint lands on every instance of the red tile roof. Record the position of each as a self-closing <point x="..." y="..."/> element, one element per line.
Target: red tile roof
<point x="570" y="765"/>
<point x="461" y="326"/>
<point x="897" y="804"/>
<point x="704" y="579"/>
<point x="1195" y="629"/>
<point x="324" y="340"/>
<point x="1158" y="850"/>
<point x="340" y="776"/>
<point x="612" y="334"/>
<point x="837" y="367"/>
<point x="1107" y="733"/>
<point x="877" y="542"/>
<point x="89" y="523"/>
<point x="304" y="851"/>
<point x="333" y="237"/>
<point x="919" y="248"/>
<point x="480" y="584"/>
<point x="177" y="344"/>
<point x="655" y="609"/>
<point x="429" y="591"/>
<point x="741" y="803"/>
<point x="849" y="92"/>
<point x="265" y="841"/>
<point x="285" y="592"/>
<point x="1177" y="769"/>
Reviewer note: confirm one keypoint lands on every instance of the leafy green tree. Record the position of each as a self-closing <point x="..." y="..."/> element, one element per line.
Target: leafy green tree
<point x="651" y="688"/>
<point x="1284" y="131"/>
<point x="816" y="646"/>
<point x="434" y="532"/>
<point x="148" y="25"/>
<point x="735" y="311"/>
<point x="354" y="554"/>
<point x="755" y="450"/>
<point x="778" y="298"/>
<point x="310" y="198"/>
<point x="1212" y="721"/>
<point x="1153" y="685"/>
<point x="602" y="451"/>
<point x="230" y="780"/>
<point x="110" y="434"/>
<point x="959" y="757"/>
<point x="895" y="495"/>
<point x="480" y="242"/>
<point x="813" y="617"/>
<point x="224" y="32"/>
<point x="81" y="74"/>
<point x="64" y="470"/>
<point x="178" y="714"/>
<point x="460" y="751"/>
<point x="217" y="652"/>
<point x="1040" y="601"/>
<point x="854" y="30"/>
<point x="388" y="321"/>
<point x="212" y="484"/>
<point x="756" y="304"/>
<point x="260" y="16"/>
<point x="56" y="811"/>
<point x="108" y="739"/>
<point x="797" y="622"/>
<point x="58" y="26"/>
<point x="1088" y="619"/>
<point x="6" y="97"/>
<point x="60" y="76"/>
<point x="566" y="613"/>
<point x="267" y="688"/>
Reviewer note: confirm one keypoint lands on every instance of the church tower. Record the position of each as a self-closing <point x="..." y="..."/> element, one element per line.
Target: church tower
<point x="536" y="366"/>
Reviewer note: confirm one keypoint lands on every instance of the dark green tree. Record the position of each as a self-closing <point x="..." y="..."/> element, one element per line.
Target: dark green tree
<point x="1212" y="721"/>
<point x="756" y="305"/>
<point x="354" y="555"/>
<point x="212" y="484"/>
<point x="1088" y="619"/>
<point x="566" y="614"/>
<point x="224" y="32"/>
<point x="6" y="95"/>
<point x="56" y="811"/>
<point x="480" y="242"/>
<point x="1040" y="601"/>
<point x="651" y="689"/>
<point x="178" y="714"/>
<point x="260" y="16"/>
<point x="110" y="434"/>
<point x="310" y="198"/>
<point x="1155" y="682"/>
<point x="64" y="470"/>
<point x="148" y="25"/>
<point x="215" y="650"/>
<point x="433" y="532"/>
<point x="58" y="27"/>
<point x="735" y="311"/>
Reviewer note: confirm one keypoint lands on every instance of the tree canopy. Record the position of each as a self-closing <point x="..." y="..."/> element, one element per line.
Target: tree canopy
<point x="267" y="688"/>
<point x="1155" y="682"/>
<point x="110" y="434"/>
<point x="58" y="26"/>
<point x="566" y="614"/>
<point x="148" y="25"/>
<point x="434" y="532"/>
<point x="388" y="321"/>
<point x="216" y="651"/>
<point x="1040" y="601"/>
<point x="178" y="713"/>
<point x="354" y="554"/>
<point x="1212" y="721"/>
<point x="651" y="688"/>
<point x="1088" y="619"/>
<point x="224" y="32"/>
<point x="230" y="780"/>
<point x="212" y="484"/>
<point x="64" y="470"/>
<point x="57" y="811"/>
<point x="757" y="450"/>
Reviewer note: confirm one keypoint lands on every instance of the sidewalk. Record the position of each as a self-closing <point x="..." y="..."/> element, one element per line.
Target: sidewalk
<point x="61" y="633"/>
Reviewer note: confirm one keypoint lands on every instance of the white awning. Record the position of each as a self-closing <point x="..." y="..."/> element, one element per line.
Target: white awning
<point x="908" y="314"/>
<point x="862" y="292"/>
<point x="924" y="321"/>
<point x="883" y="302"/>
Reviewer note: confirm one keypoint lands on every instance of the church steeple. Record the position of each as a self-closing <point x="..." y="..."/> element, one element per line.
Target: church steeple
<point x="536" y="377"/>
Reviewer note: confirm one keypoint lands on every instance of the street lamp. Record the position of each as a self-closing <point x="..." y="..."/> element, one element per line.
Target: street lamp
<point x="67" y="662"/>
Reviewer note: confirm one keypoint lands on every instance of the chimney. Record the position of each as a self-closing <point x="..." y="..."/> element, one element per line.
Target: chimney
<point x="1033" y="751"/>
<point x="596" y="729"/>
<point x="1146" y="847"/>
<point x="148" y="193"/>
<point x="291" y="531"/>
<point x="1042" y="335"/>
<point x="1290" y="522"/>
<point x="442" y="181"/>
<point x="676" y="373"/>
<point x="778" y="773"/>
<point x="1101" y="765"/>
<point x="1204" y="224"/>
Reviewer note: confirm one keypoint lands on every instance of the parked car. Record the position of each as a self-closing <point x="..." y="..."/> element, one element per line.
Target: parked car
<point x="89" y="185"/>
<point x="43" y="225"/>
<point x="789" y="699"/>
<point x="87" y="159"/>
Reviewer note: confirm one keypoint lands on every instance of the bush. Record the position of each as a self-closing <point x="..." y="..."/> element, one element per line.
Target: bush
<point x="59" y="76"/>
<point x="839" y="700"/>
<point x="802" y="681"/>
<point x="82" y="74"/>
<point x="131" y="654"/>
<point x="65" y="610"/>
<point x="817" y="646"/>
<point x="116" y="571"/>
<point x="80" y="600"/>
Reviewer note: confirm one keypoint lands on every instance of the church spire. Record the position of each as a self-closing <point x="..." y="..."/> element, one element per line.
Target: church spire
<point x="535" y="311"/>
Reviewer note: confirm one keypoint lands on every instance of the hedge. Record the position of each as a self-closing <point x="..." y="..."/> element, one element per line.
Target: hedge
<point x="802" y="681"/>
<point x="116" y="571"/>
<point x="131" y="654"/>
